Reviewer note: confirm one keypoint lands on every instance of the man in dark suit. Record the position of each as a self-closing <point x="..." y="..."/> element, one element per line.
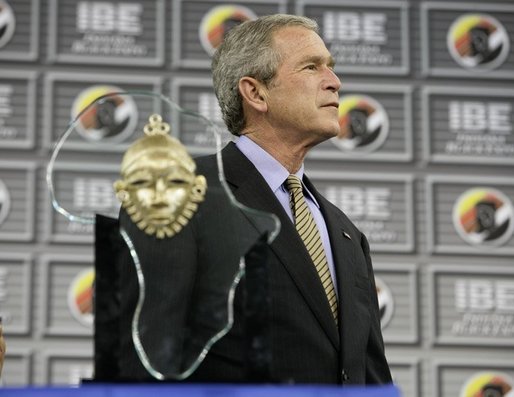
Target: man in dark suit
<point x="278" y="94"/>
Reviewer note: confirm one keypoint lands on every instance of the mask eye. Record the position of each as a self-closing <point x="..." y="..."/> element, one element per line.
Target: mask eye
<point x="139" y="180"/>
<point x="177" y="182"/>
<point x="138" y="183"/>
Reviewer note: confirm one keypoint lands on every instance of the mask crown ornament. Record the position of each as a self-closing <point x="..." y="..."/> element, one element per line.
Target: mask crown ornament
<point x="156" y="126"/>
<point x="158" y="188"/>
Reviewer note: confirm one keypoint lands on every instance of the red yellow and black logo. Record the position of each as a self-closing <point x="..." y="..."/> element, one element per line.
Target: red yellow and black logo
<point x="364" y="124"/>
<point x="483" y="216"/>
<point x="385" y="302"/>
<point x="102" y="113"/>
<point x="488" y="384"/>
<point x="218" y="22"/>
<point x="5" y="202"/>
<point x="478" y="42"/>
<point x="7" y="23"/>
<point x="80" y="297"/>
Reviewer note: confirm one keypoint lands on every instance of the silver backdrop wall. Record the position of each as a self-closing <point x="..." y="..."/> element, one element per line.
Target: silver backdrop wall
<point x="432" y="188"/>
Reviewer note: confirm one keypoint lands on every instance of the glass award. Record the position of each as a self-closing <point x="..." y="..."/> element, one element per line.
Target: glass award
<point x="171" y="242"/>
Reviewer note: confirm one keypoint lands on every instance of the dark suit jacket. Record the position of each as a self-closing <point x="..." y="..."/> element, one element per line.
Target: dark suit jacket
<point x="306" y="345"/>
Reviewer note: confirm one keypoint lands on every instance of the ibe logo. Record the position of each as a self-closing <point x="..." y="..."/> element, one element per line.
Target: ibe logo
<point x="104" y="113"/>
<point x="4" y="294"/>
<point x="476" y="116"/>
<point x="95" y="194"/>
<point x="478" y="42"/>
<point x="5" y="202"/>
<point x="362" y="203"/>
<point x="218" y="22"/>
<point x="105" y="17"/>
<point x="487" y="384"/>
<point x="363" y="122"/>
<point x="80" y="297"/>
<point x="369" y="28"/>
<point x="385" y="302"/>
<point x="479" y="296"/>
<point x="483" y="216"/>
<point x="7" y="23"/>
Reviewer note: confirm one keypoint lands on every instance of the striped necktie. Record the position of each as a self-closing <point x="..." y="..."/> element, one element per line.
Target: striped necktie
<point x="306" y="227"/>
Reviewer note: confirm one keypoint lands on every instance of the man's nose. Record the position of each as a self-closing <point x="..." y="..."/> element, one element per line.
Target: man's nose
<point x="332" y="83"/>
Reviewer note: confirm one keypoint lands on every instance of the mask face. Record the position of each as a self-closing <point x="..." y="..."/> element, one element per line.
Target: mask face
<point x="159" y="189"/>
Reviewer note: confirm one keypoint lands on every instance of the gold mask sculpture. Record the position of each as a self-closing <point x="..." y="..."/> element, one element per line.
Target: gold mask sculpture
<point x="159" y="188"/>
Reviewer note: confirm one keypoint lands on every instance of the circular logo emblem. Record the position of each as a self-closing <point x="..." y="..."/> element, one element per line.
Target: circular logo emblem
<point x="218" y="21"/>
<point x="5" y="202"/>
<point x="478" y="41"/>
<point x="113" y="117"/>
<point x="7" y="23"/>
<point x="483" y="216"/>
<point x="487" y="384"/>
<point x="80" y="297"/>
<point x="385" y="302"/>
<point x="364" y="124"/>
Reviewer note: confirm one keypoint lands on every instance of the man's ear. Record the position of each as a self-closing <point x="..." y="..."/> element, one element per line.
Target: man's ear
<point x="253" y="93"/>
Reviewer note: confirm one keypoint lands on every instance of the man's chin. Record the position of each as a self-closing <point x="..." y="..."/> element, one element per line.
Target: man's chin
<point x="322" y="137"/>
<point x="331" y="132"/>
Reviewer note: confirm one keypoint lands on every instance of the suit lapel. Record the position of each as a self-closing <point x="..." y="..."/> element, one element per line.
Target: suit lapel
<point x="250" y="189"/>
<point x="344" y="244"/>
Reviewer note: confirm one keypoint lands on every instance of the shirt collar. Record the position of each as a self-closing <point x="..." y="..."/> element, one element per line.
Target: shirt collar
<point x="274" y="173"/>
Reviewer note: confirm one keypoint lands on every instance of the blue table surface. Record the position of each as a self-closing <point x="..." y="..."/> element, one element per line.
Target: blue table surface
<point x="197" y="390"/>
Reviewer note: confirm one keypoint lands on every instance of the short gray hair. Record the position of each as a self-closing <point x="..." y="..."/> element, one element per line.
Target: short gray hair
<point x="247" y="50"/>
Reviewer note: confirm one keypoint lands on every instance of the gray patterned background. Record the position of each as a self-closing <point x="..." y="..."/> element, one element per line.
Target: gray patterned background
<point x="448" y="302"/>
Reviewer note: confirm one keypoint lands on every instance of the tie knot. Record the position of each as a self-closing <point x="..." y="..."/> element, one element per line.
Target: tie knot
<point x="293" y="183"/>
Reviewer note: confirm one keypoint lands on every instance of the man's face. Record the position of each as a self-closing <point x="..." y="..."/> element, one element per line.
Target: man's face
<point x="303" y="97"/>
<point x="160" y="189"/>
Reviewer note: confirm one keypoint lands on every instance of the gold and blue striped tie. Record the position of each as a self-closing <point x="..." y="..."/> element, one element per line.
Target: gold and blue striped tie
<point x="306" y="227"/>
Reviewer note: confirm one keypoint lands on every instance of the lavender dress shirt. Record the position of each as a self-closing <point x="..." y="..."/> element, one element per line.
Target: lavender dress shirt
<point x="275" y="175"/>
